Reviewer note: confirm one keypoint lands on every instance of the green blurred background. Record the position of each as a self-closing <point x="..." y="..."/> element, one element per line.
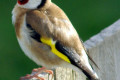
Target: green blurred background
<point x="88" y="16"/>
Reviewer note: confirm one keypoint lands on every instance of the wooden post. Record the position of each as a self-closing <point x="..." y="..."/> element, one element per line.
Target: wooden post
<point x="104" y="48"/>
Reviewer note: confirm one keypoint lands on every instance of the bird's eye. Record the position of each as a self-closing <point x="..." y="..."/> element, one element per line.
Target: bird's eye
<point x="22" y="2"/>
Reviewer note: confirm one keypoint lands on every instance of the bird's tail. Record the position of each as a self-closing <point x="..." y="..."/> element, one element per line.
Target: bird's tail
<point x="91" y="77"/>
<point x="87" y="69"/>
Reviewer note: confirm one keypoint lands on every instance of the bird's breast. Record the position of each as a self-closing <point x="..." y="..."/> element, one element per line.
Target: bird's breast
<point x="26" y="44"/>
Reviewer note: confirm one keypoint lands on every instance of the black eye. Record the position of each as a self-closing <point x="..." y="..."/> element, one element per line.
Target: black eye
<point x="22" y="2"/>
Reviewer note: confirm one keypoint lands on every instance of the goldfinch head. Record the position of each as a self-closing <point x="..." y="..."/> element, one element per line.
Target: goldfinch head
<point x="32" y="4"/>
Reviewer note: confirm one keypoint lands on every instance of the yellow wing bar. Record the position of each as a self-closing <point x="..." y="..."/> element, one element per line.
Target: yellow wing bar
<point x="52" y="43"/>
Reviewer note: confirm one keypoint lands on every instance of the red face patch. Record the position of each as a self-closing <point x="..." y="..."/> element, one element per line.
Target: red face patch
<point x="22" y="2"/>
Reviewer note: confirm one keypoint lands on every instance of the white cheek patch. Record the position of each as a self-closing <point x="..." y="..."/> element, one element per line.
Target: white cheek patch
<point x="32" y="4"/>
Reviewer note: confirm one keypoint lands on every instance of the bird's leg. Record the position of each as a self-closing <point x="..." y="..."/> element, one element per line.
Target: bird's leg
<point x="43" y="69"/>
<point x="36" y="74"/>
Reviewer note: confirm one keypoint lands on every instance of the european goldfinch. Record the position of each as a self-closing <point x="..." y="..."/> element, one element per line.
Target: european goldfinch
<point x="46" y="36"/>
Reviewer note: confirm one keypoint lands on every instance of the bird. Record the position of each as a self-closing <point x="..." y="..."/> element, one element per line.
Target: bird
<point x="46" y="36"/>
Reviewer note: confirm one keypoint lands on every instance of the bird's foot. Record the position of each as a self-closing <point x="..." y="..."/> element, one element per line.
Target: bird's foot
<point x="37" y="74"/>
<point x="31" y="77"/>
<point x="38" y="70"/>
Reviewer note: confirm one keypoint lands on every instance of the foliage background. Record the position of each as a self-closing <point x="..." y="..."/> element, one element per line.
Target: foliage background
<point x="88" y="16"/>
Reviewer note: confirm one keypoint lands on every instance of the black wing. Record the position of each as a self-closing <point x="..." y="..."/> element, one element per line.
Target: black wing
<point x="73" y="57"/>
